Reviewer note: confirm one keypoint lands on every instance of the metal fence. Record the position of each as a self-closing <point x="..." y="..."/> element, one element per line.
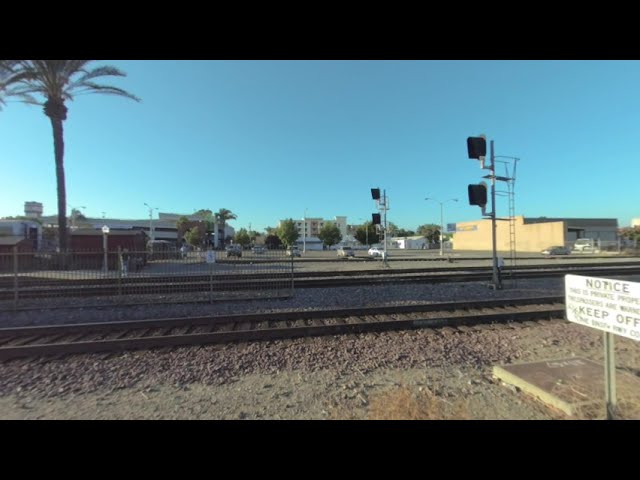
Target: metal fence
<point x="30" y="279"/>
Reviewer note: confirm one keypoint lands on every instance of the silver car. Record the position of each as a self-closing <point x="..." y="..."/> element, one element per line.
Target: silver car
<point x="556" y="250"/>
<point x="293" y="252"/>
<point x="346" y="252"/>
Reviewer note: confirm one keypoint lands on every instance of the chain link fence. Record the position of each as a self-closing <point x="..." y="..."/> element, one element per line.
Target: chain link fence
<point x="33" y="279"/>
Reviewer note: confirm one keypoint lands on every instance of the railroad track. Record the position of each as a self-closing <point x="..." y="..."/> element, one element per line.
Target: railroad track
<point x="143" y="334"/>
<point x="200" y="283"/>
<point x="26" y="281"/>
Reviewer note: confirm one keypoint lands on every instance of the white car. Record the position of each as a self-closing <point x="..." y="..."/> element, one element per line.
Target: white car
<point x="293" y="252"/>
<point x="586" y="245"/>
<point x="375" y="252"/>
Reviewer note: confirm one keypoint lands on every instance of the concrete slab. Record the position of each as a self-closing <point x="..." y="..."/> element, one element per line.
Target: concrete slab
<point x="571" y="385"/>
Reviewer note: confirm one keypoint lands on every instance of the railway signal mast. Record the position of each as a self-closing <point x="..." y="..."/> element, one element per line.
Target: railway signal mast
<point x="383" y="205"/>
<point x="477" y="149"/>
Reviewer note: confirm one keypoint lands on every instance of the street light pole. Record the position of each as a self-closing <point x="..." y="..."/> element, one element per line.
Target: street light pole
<point x="304" y="231"/>
<point x="151" y="209"/>
<point x="105" y="232"/>
<point x="442" y="220"/>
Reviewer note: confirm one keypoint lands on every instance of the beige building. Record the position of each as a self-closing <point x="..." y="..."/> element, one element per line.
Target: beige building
<point x="533" y="234"/>
<point x="310" y="227"/>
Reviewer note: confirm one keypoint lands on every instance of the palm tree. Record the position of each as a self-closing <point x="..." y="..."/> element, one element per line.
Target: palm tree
<point x="222" y="216"/>
<point x="58" y="81"/>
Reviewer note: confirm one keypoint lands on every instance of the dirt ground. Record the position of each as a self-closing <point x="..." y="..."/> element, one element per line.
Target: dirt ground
<point x="394" y="375"/>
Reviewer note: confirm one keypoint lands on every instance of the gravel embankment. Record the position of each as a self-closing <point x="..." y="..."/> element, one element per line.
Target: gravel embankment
<point x="300" y="378"/>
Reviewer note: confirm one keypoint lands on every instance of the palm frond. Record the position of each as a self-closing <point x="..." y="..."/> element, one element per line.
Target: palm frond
<point x="105" y="71"/>
<point x="91" y="87"/>
<point x="62" y="80"/>
<point x="11" y="83"/>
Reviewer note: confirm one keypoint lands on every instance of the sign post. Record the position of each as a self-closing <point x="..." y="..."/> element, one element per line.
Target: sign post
<point x="210" y="257"/>
<point x="609" y="375"/>
<point x="610" y="305"/>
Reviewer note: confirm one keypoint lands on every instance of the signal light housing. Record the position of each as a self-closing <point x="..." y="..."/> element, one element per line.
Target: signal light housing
<point x="476" y="147"/>
<point x="478" y="195"/>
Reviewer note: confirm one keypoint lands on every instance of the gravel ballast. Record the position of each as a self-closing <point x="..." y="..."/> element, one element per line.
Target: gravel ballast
<point x="307" y="378"/>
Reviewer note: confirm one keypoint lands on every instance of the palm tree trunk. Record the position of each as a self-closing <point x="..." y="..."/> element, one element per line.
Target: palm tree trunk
<point x="58" y="146"/>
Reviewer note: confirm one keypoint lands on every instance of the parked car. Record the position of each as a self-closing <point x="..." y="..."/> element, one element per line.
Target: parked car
<point x="585" y="245"/>
<point x="346" y="252"/>
<point x="293" y="252"/>
<point x="556" y="250"/>
<point x="234" y="251"/>
<point x="375" y="252"/>
<point x="258" y="249"/>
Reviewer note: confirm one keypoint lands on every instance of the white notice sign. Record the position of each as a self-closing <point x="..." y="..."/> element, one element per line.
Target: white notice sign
<point x="606" y="304"/>
<point x="210" y="256"/>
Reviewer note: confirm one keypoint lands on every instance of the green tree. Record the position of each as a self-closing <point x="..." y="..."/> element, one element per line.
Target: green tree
<point x="77" y="214"/>
<point x="287" y="232"/>
<point x="272" y="241"/>
<point x="58" y="81"/>
<point x="194" y="236"/>
<point x="221" y="217"/>
<point x="77" y="219"/>
<point x="366" y="234"/>
<point x="253" y="234"/>
<point x="630" y="233"/>
<point x="208" y="218"/>
<point x="182" y="225"/>
<point x="430" y="231"/>
<point x="242" y="237"/>
<point x="330" y="234"/>
<point x="405" y="233"/>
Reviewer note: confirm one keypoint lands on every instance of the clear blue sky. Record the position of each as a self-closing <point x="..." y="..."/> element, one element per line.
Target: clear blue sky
<point x="269" y="139"/>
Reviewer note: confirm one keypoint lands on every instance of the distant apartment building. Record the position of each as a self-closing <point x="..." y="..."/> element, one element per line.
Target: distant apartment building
<point x="33" y="209"/>
<point x="310" y="227"/>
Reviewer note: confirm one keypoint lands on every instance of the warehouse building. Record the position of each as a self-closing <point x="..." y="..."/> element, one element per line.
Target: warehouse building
<point x="534" y="234"/>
